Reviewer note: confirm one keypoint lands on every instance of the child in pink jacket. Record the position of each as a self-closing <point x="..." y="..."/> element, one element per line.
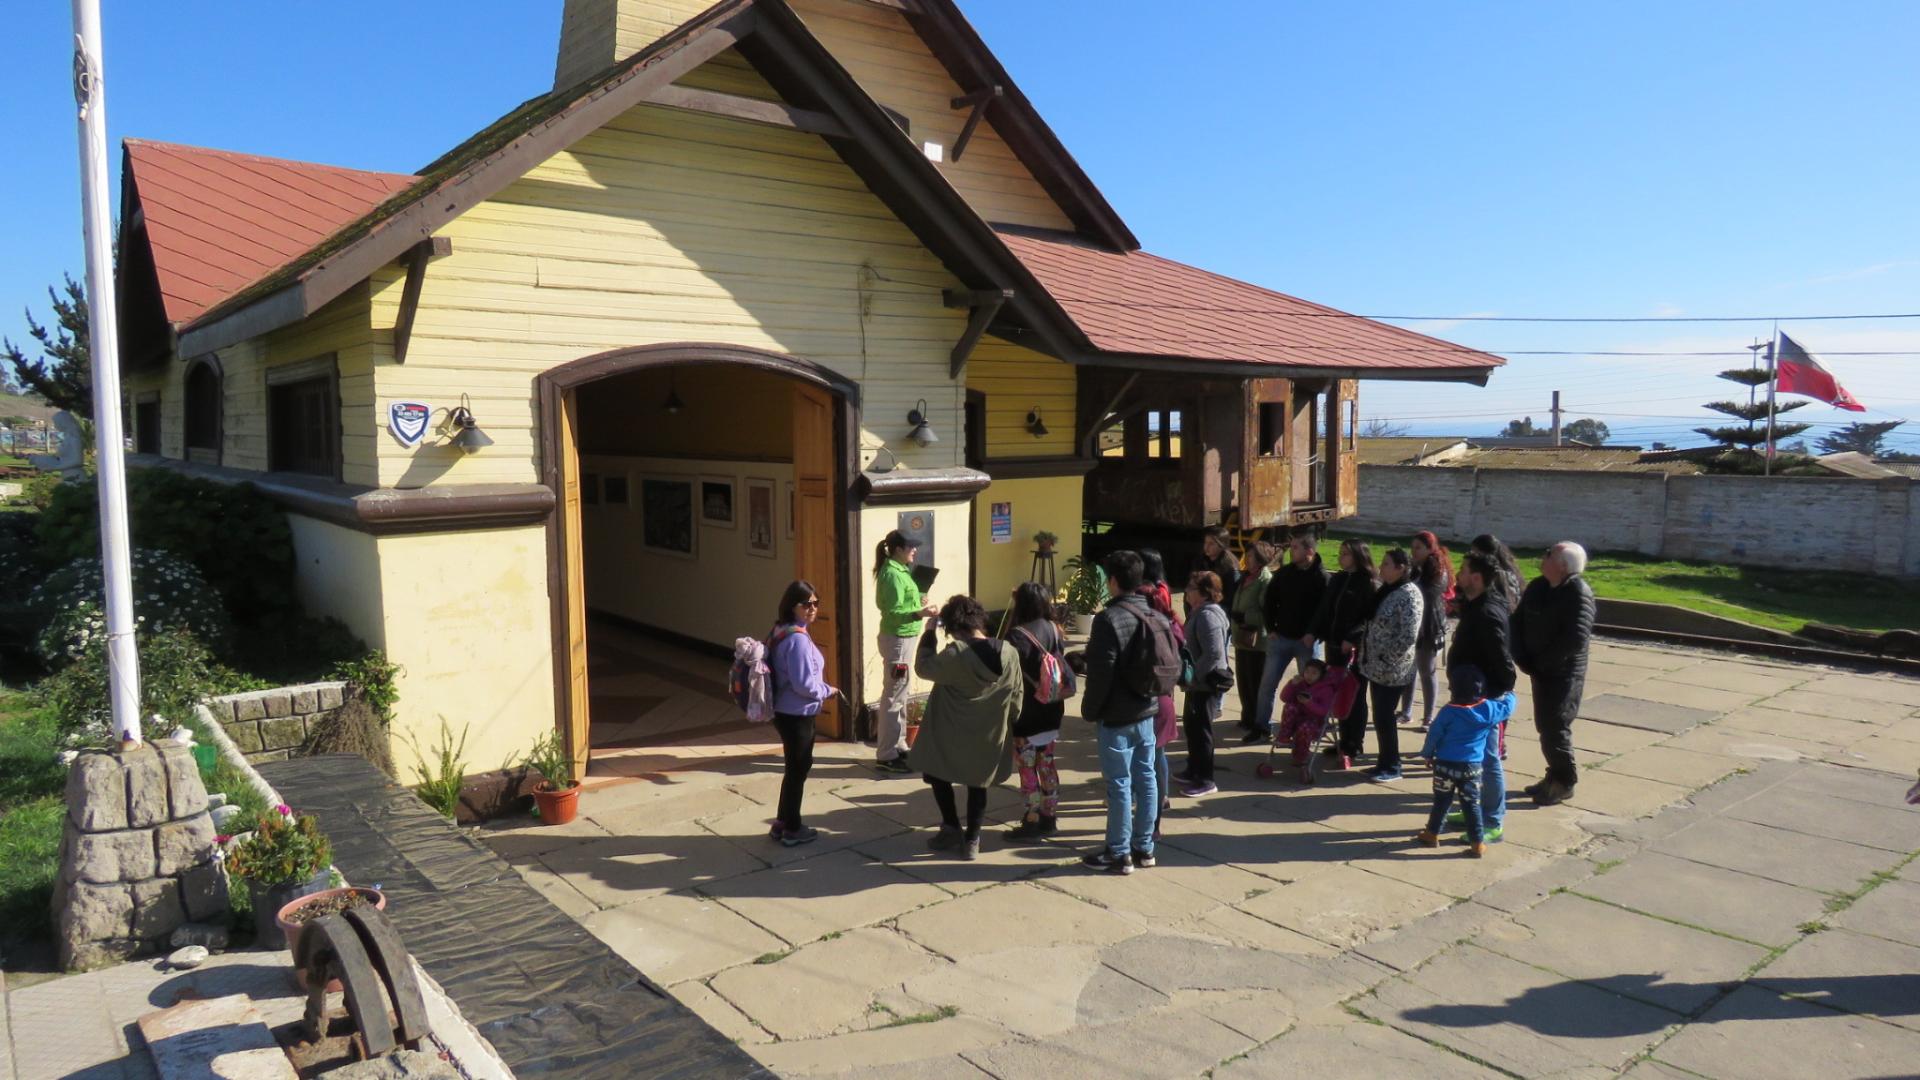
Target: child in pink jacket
<point x="1307" y="701"/>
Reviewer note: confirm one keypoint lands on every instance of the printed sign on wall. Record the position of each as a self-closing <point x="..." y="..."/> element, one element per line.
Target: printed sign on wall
<point x="1000" y="524"/>
<point x="408" y="422"/>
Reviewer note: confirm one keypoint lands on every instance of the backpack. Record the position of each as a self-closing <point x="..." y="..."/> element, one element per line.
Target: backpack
<point x="1155" y="660"/>
<point x="750" y="680"/>
<point x="1056" y="680"/>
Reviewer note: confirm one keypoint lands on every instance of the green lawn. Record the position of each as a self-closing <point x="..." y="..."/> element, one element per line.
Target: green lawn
<point x="1776" y="599"/>
<point x="31" y="811"/>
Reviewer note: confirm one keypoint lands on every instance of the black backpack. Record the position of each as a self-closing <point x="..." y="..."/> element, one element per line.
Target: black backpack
<point x="1154" y="660"/>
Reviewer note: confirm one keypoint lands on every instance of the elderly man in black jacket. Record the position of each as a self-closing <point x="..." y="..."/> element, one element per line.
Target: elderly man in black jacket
<point x="1551" y="633"/>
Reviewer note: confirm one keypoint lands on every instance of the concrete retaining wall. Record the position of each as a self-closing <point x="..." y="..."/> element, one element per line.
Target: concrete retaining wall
<point x="1870" y="526"/>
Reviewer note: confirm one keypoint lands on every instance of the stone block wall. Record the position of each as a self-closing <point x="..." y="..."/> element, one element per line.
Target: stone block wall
<point x="270" y="725"/>
<point x="137" y="855"/>
<point x="1865" y="526"/>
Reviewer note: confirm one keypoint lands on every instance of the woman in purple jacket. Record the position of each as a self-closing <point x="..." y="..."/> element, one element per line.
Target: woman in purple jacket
<point x="799" y="689"/>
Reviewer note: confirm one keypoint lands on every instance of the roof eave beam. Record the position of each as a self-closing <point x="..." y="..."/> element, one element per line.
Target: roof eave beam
<point x="416" y="259"/>
<point x="984" y="305"/>
<point x="978" y="101"/>
<point x="753" y="110"/>
<point x="1179" y="365"/>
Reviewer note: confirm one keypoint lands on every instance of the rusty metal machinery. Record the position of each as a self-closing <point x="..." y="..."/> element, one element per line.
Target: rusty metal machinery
<point x="360" y="948"/>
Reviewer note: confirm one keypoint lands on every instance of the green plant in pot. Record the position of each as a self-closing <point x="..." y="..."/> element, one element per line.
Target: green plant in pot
<point x="558" y="794"/>
<point x="286" y="858"/>
<point x="1086" y="591"/>
<point x="1045" y="541"/>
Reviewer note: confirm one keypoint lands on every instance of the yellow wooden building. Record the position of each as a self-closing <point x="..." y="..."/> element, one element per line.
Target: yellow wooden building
<point x="662" y="339"/>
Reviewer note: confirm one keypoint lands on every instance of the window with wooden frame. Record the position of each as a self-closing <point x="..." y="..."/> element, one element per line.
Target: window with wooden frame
<point x="205" y="405"/>
<point x="303" y="418"/>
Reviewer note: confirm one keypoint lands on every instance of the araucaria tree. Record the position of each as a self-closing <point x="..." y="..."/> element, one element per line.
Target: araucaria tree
<point x="64" y="375"/>
<point x="1754" y="413"/>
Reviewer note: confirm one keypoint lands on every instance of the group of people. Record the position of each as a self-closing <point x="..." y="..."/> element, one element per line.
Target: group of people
<point x="1314" y="656"/>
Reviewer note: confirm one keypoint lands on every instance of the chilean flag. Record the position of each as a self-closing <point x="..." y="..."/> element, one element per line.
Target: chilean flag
<point x="1800" y="373"/>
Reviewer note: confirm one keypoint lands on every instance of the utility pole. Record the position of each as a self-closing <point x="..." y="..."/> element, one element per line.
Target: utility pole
<point x="1556" y="418"/>
<point x="103" y="341"/>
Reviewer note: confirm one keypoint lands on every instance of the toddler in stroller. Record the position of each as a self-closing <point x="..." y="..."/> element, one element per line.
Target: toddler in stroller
<point x="1311" y="699"/>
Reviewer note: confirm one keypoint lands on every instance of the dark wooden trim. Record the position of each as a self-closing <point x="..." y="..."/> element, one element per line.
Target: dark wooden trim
<point x="754" y="110"/>
<point x="695" y="354"/>
<point x="416" y="258"/>
<point x="986" y="305"/>
<point x="1097" y="422"/>
<point x="1250" y="369"/>
<point x="380" y="511"/>
<point x="920" y="485"/>
<point x="722" y="28"/>
<point x="1034" y="467"/>
<point x="979" y="101"/>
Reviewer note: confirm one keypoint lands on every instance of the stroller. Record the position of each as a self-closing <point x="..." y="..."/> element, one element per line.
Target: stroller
<point x="1317" y="718"/>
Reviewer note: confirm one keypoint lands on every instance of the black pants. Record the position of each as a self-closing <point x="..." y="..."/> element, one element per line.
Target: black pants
<point x="1386" y="723"/>
<point x="950" y="810"/>
<point x="1197" y="724"/>
<point x="796" y="745"/>
<point x="1248" y="666"/>
<point x="1353" y="726"/>
<point x="1556" y="701"/>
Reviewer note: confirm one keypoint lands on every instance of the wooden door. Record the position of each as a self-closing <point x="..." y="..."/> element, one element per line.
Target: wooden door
<point x="816" y="534"/>
<point x="1266" y="484"/>
<point x="1345" y="446"/>
<point x="579" y="718"/>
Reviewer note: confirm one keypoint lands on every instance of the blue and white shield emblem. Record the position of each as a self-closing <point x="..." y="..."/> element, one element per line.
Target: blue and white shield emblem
<point x="408" y="422"/>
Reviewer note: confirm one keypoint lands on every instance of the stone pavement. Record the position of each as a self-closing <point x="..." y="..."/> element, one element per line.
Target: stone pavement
<point x="1728" y="895"/>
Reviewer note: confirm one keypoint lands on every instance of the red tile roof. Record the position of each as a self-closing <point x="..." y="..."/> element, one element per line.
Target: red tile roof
<point x="218" y="221"/>
<point x="1140" y="304"/>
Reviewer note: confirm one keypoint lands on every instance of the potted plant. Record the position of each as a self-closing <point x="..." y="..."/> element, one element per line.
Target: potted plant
<point x="1045" y="541"/>
<point x="558" y="794"/>
<point x="1086" y="592"/>
<point x="294" y="916"/>
<point x="286" y="858"/>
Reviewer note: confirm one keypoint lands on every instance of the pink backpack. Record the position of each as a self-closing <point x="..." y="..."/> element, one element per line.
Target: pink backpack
<point x="1054" y="683"/>
<point x="750" y="680"/>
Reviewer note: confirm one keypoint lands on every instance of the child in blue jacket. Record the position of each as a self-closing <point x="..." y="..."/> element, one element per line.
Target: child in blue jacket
<point x="1456" y="747"/>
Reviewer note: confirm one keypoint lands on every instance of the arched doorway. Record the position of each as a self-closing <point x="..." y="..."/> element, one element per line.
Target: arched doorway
<point x="691" y="481"/>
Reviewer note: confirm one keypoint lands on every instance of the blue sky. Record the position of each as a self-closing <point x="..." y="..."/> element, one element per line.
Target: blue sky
<point x="1705" y="158"/>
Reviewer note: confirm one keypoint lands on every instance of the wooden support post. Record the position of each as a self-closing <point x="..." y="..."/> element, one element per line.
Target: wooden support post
<point x="416" y="260"/>
<point x="775" y="113"/>
<point x="979" y="100"/>
<point x="985" y="304"/>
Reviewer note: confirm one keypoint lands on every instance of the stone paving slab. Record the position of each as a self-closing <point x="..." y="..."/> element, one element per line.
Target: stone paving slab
<point x="1764" y="680"/>
<point x="1850" y="971"/>
<point x="1890" y="827"/>
<point x="1345" y="905"/>
<point x="1755" y="1034"/>
<point x="1750" y="745"/>
<point x="1890" y="911"/>
<point x="1647" y="715"/>
<point x="1757" y="910"/>
<point x="1619" y="795"/>
<point x="805" y="901"/>
<point x="826" y="989"/>
<point x="1795" y="858"/>
<point x="1878" y="708"/>
<point x="1887" y="688"/>
<point x="1177" y="1044"/>
<point x="1350" y="1049"/>
<point x="679" y="936"/>
<point x="667" y="859"/>
<point x="1885" y="752"/>
<point x="1669" y="765"/>
<point x="1694" y="696"/>
<point x="1832" y="731"/>
<point x="1029" y="911"/>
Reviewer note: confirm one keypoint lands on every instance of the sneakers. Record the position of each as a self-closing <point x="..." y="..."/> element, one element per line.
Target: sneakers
<point x="1384" y="776"/>
<point x="1426" y="839"/>
<point x="1496" y="834"/>
<point x="1456" y="819"/>
<point x="1107" y="862"/>
<point x="947" y="839"/>
<point x="1534" y="791"/>
<point x="1256" y="736"/>
<point x="1552" y="793"/>
<point x="893" y="767"/>
<point x="805" y="834"/>
<point x="970" y="848"/>
<point x="1195" y="791"/>
<point x="1144" y="861"/>
<point x="1042" y="827"/>
<point x="776" y="832"/>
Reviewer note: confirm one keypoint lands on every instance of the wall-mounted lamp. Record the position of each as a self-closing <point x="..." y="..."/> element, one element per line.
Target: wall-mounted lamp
<point x="922" y="433"/>
<point x="466" y="430"/>
<point x="1036" y="426"/>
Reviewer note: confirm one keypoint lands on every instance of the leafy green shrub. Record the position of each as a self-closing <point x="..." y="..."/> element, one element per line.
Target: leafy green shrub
<point x="550" y="757"/>
<point x="168" y="594"/>
<point x="443" y="772"/>
<point x="282" y="849"/>
<point x="236" y="536"/>
<point x="176" y="673"/>
<point x="373" y="675"/>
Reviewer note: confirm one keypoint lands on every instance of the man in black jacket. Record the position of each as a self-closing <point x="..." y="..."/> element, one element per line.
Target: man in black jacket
<point x="1482" y="636"/>
<point x="1125" y="720"/>
<point x="1551" y="633"/>
<point x="1292" y="600"/>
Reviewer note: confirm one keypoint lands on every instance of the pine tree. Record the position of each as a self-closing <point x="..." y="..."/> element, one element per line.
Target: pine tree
<point x="1754" y="412"/>
<point x="64" y="376"/>
<point x="1862" y="438"/>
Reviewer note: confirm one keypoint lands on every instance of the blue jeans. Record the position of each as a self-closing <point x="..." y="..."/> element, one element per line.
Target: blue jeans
<point x="1133" y="797"/>
<point x="1462" y="777"/>
<point x="1493" y="786"/>
<point x="1282" y="654"/>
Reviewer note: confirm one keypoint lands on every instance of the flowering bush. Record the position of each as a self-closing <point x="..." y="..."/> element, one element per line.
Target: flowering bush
<point x="175" y="674"/>
<point x="282" y="849"/>
<point x="168" y="594"/>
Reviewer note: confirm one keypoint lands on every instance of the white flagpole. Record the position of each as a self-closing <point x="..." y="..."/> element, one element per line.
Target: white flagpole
<point x="1772" y="376"/>
<point x="103" y="343"/>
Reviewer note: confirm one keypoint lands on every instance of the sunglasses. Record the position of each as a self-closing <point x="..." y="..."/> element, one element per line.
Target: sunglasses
<point x="810" y="603"/>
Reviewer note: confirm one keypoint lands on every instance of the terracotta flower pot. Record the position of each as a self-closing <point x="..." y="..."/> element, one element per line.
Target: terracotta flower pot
<point x="558" y="805"/>
<point x="292" y="930"/>
<point x="913" y="732"/>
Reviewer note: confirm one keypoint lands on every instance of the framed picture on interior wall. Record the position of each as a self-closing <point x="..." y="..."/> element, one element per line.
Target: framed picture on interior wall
<point x="790" y="509"/>
<point x="716" y="501"/>
<point x="760" y="518"/>
<point x="613" y="490"/>
<point x="666" y="516"/>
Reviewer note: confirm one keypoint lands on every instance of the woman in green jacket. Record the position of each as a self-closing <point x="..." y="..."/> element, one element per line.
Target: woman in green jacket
<point x="903" y="611"/>
<point x="966" y="736"/>
<point x="1250" y="627"/>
